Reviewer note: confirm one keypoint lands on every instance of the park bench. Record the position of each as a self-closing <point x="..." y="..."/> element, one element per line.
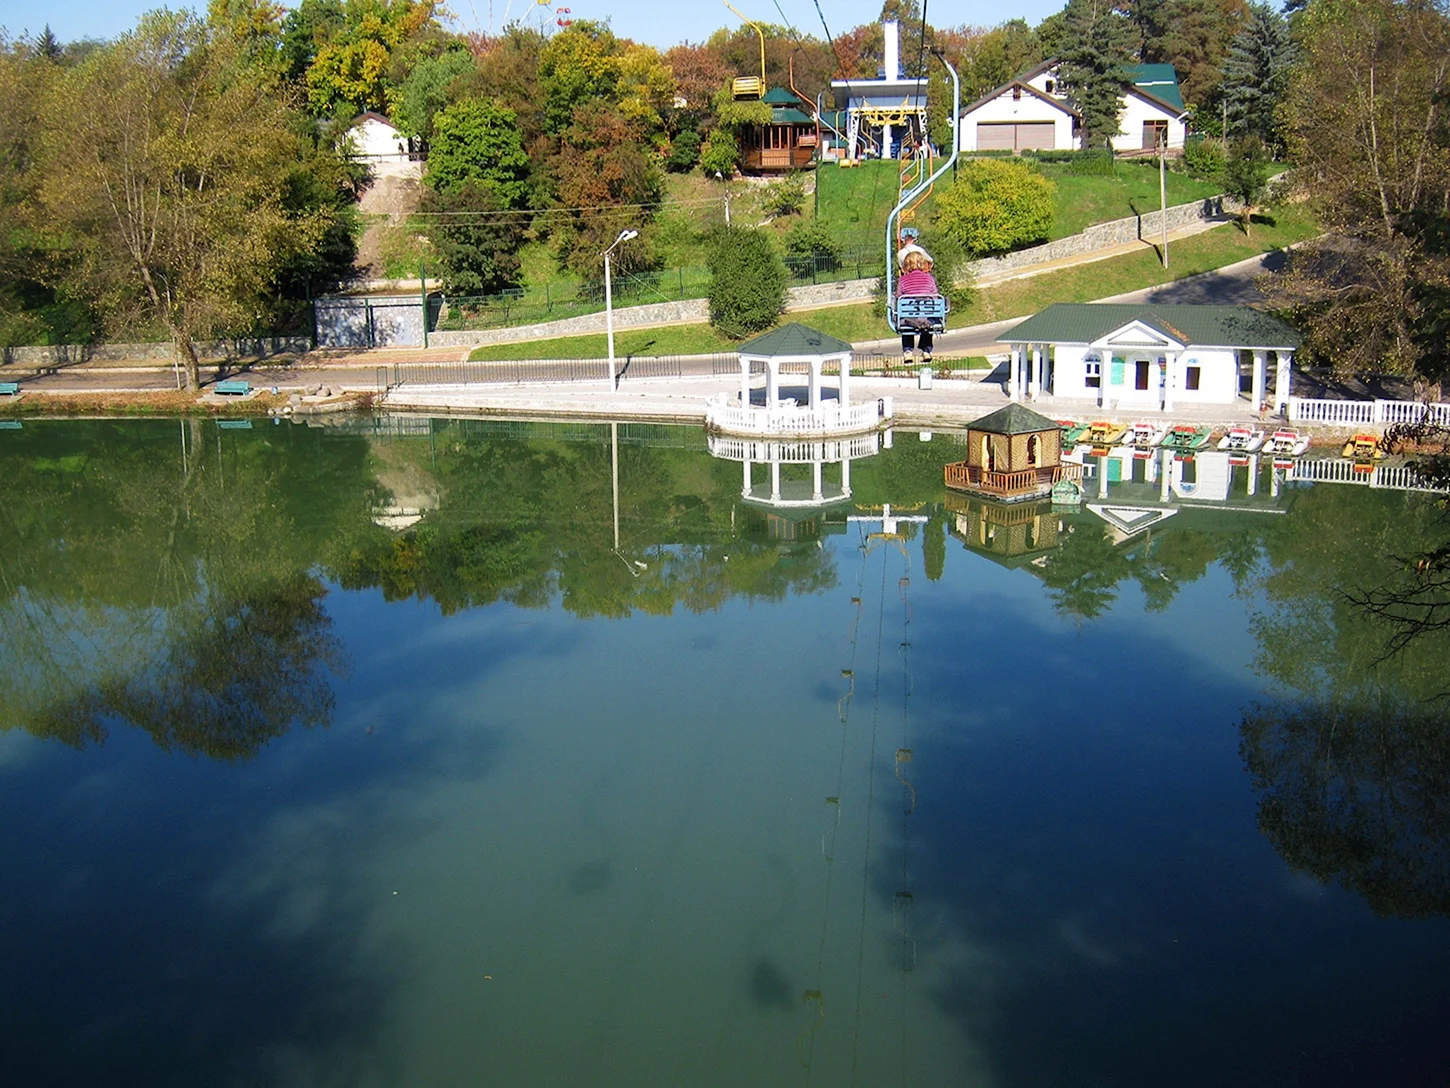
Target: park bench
<point x="9" y="389"/>
<point x="233" y="387"/>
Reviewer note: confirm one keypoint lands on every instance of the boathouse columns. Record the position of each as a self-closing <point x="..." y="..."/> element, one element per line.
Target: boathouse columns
<point x="1282" y="361"/>
<point x="1170" y="379"/>
<point x="1260" y="376"/>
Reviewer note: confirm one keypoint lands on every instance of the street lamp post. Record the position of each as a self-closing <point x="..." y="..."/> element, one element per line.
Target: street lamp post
<point x="624" y="236"/>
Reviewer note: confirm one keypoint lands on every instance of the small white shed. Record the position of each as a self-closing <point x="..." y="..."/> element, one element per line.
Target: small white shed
<point x="376" y="140"/>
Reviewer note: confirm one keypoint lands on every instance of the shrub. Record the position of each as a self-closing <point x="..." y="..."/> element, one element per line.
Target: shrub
<point x="786" y="197"/>
<point x="747" y="282"/>
<point x="1205" y="159"/>
<point x="810" y="248"/>
<point x="1097" y="163"/>
<point x="684" y="152"/>
<point x="720" y="154"/>
<point x="994" y="207"/>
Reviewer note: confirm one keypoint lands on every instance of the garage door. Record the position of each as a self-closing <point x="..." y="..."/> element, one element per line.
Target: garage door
<point x="1014" y="136"/>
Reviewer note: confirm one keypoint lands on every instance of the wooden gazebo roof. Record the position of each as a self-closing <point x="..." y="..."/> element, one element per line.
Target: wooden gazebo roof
<point x="1014" y="419"/>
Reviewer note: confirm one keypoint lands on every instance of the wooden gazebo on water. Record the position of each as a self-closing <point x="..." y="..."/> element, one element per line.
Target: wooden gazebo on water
<point x="1013" y="454"/>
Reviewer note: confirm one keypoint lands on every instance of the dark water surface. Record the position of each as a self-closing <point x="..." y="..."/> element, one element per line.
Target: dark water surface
<point x="365" y="757"/>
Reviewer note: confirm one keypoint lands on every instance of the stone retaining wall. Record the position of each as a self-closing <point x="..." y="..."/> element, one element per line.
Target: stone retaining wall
<point x="61" y="354"/>
<point x="1147" y="227"/>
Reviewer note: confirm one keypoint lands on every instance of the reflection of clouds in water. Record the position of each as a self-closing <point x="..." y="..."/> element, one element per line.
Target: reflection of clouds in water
<point x="1072" y="931"/>
<point x="17" y="749"/>
<point x="1305" y="886"/>
<point x="510" y="629"/>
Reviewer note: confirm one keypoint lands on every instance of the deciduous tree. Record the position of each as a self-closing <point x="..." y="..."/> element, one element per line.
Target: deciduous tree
<point x="169" y="172"/>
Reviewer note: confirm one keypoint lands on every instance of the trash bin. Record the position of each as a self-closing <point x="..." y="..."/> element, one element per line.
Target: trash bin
<point x="923" y="378"/>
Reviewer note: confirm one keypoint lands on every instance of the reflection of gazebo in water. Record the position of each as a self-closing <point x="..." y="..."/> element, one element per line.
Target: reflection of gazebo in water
<point x="803" y="411"/>
<point x="1013" y="454"/>
<point x="815" y="452"/>
<point x="1004" y="531"/>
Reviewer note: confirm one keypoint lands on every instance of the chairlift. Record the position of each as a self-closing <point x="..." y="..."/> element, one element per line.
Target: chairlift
<point x="920" y="313"/>
<point x="749" y="88"/>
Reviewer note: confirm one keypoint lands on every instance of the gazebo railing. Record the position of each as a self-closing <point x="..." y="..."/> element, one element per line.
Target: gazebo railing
<point x="975" y="478"/>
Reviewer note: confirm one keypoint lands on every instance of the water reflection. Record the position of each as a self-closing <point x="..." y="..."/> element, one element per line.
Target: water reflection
<point x="875" y="824"/>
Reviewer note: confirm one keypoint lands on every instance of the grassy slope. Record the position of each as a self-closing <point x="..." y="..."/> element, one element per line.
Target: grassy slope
<point x="1015" y="298"/>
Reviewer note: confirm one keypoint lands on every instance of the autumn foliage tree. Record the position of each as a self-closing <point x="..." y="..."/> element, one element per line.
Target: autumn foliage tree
<point x="166" y="161"/>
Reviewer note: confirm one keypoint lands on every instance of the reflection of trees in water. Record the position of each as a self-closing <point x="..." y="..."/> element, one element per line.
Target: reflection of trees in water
<point x="1358" y="793"/>
<point x="158" y="574"/>
<point x="1352" y="766"/>
<point x="230" y="677"/>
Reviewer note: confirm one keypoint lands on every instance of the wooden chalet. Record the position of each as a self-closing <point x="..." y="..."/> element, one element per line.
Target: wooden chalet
<point x="789" y="142"/>
<point x="1013" y="454"/>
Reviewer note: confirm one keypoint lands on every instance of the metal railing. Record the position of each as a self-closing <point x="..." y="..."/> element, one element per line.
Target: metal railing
<point x="528" y="371"/>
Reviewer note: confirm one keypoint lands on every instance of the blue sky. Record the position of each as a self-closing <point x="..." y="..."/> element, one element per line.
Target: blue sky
<point x="661" y="23"/>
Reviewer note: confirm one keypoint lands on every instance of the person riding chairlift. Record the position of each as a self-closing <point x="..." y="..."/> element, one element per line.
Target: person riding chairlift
<point x="916" y="279"/>
<point x="909" y="245"/>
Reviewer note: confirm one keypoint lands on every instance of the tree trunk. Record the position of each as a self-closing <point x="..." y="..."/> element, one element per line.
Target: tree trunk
<point x="186" y="351"/>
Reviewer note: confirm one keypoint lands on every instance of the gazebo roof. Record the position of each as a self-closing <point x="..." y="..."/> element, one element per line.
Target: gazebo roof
<point x="1014" y="419"/>
<point x="795" y="339"/>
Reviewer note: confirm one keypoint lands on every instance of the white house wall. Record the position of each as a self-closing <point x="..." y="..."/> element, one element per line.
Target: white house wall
<point x="1130" y="123"/>
<point x="1025" y="109"/>
<point x="376" y="140"/>
<point x="1218" y="381"/>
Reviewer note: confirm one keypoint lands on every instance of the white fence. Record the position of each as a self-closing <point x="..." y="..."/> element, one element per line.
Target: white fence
<point x="784" y="421"/>
<point x="1355" y="412"/>
<point x="1335" y="470"/>
<point x="793" y="451"/>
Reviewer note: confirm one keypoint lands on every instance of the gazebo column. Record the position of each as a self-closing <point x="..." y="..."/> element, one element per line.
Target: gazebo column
<point x="775" y="481"/>
<point x="772" y="383"/>
<point x="1260" y="374"/>
<point x="1170" y="380"/>
<point x="815" y="388"/>
<point x="1282" y="360"/>
<point x="843" y="369"/>
<point x="744" y="383"/>
<point x="816" y="480"/>
<point x="845" y="477"/>
<point x="745" y="486"/>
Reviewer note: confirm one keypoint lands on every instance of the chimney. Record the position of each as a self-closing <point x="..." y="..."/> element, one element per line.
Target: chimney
<point x="891" y="54"/>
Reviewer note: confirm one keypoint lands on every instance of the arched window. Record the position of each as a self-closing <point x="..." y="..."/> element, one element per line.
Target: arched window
<point x="1034" y="450"/>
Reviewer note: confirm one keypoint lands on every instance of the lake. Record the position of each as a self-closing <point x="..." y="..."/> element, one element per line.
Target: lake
<point x="461" y="752"/>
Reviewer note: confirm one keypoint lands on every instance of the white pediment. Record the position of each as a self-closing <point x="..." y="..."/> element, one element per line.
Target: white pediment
<point x="1136" y="334"/>
<point x="1131" y="520"/>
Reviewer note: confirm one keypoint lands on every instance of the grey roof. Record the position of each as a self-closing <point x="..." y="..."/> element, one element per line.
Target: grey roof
<point x="1014" y="419"/>
<point x="794" y="339"/>
<point x="1203" y="326"/>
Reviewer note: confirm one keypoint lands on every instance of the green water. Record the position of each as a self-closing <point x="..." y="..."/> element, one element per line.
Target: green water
<point x="359" y="757"/>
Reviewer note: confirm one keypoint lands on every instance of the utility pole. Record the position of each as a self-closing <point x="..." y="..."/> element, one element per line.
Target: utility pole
<point x="1163" y="194"/>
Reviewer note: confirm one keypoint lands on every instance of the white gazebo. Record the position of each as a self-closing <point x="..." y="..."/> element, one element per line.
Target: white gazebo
<point x="815" y="452"/>
<point x="799" y="350"/>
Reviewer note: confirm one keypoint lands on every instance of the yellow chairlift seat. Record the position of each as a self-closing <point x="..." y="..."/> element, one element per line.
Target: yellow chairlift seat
<point x="745" y="87"/>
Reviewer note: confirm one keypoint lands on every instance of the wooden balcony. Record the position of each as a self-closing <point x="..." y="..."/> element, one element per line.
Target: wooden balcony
<point x="1022" y="483"/>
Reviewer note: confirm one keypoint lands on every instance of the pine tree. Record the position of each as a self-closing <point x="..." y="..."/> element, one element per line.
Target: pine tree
<point x="1098" y="46"/>
<point x="1256" y="74"/>
<point x="47" y="47"/>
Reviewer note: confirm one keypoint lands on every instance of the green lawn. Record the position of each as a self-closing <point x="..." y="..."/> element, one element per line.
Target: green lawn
<point x="1015" y="298"/>
<point x="1133" y="190"/>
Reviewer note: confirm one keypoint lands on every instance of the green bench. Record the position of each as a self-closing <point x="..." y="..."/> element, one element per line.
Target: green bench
<point x="9" y="389"/>
<point x="234" y="388"/>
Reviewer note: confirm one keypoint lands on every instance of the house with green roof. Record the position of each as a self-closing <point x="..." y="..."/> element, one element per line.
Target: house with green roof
<point x="788" y="142"/>
<point x="1150" y="355"/>
<point x="1034" y="112"/>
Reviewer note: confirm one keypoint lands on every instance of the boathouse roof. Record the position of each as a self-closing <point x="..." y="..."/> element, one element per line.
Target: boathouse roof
<point x="1203" y="326"/>
<point x="1014" y="419"/>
